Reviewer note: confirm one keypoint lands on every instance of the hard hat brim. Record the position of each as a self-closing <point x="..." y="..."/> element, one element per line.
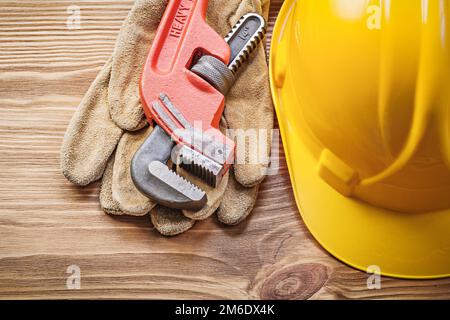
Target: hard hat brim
<point x="401" y="245"/>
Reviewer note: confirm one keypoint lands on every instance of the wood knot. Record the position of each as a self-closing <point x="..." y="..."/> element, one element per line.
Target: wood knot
<point x="295" y="282"/>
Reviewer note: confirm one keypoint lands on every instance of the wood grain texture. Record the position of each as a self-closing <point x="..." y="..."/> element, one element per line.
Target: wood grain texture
<point x="47" y="224"/>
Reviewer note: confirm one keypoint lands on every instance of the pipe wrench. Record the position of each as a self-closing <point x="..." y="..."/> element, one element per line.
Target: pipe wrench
<point x="187" y="74"/>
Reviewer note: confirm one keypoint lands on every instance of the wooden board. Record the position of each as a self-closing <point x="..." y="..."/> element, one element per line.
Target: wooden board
<point x="47" y="224"/>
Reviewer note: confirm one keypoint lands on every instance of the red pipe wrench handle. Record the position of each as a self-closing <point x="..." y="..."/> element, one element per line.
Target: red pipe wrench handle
<point x="182" y="36"/>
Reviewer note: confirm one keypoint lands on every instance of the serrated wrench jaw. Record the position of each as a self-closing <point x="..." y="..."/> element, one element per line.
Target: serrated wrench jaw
<point x="244" y="37"/>
<point x="201" y="166"/>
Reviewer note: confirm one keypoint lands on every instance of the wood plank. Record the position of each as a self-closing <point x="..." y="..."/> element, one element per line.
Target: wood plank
<point x="47" y="224"/>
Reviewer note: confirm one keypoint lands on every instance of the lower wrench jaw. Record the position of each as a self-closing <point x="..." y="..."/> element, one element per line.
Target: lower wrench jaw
<point x="174" y="191"/>
<point x="164" y="194"/>
<point x="156" y="181"/>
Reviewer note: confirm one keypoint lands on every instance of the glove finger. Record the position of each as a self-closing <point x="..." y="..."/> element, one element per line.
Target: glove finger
<point x="215" y="195"/>
<point x="124" y="192"/>
<point x="238" y="202"/>
<point x="108" y="204"/>
<point x="265" y="8"/>
<point x="222" y="15"/>
<point x="249" y="113"/>
<point x="247" y="6"/>
<point x="91" y="135"/>
<point x="170" y="222"/>
<point x="249" y="110"/>
<point x="130" y="53"/>
<point x="219" y="13"/>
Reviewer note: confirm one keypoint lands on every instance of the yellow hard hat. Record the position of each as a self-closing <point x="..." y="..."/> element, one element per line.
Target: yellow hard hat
<point x="362" y="93"/>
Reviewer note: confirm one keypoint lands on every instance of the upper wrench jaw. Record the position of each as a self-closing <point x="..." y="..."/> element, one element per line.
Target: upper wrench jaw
<point x="200" y="166"/>
<point x="149" y="174"/>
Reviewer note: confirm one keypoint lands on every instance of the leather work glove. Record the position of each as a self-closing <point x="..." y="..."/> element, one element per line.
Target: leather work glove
<point x="109" y="125"/>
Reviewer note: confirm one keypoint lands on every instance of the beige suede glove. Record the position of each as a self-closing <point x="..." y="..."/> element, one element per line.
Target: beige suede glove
<point x="108" y="127"/>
